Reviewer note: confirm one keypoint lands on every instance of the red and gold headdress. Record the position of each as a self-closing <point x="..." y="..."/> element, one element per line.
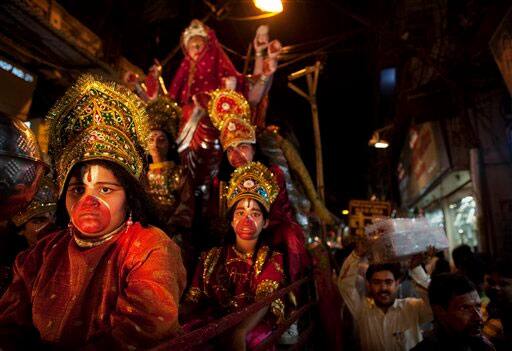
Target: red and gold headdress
<point x="164" y="114"/>
<point x="230" y="113"/>
<point x="254" y="181"/>
<point x="98" y="120"/>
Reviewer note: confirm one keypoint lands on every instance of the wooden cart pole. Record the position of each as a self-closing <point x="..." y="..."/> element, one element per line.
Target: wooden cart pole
<point x="312" y="73"/>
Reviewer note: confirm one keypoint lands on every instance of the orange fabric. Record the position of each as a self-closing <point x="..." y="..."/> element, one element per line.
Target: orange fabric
<point x="122" y="294"/>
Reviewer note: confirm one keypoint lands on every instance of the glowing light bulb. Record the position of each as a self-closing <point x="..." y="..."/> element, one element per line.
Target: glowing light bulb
<point x="275" y="6"/>
<point x="381" y="144"/>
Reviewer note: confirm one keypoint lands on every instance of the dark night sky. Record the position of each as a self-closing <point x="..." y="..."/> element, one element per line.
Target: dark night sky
<point x="143" y="30"/>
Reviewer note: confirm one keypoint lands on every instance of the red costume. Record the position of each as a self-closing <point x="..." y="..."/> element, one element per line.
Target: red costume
<point x="204" y="74"/>
<point x="72" y="295"/>
<point x="198" y="138"/>
<point x="228" y="283"/>
<point x="104" y="282"/>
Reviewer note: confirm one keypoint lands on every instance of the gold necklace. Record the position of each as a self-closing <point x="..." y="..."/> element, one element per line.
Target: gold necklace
<point x="243" y="255"/>
<point x="90" y="242"/>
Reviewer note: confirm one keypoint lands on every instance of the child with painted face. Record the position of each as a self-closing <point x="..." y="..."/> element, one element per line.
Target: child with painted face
<point x="110" y="279"/>
<point x="246" y="268"/>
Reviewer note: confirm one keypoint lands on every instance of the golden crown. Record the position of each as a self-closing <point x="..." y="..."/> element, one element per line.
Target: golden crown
<point x="98" y="120"/>
<point x="254" y="181"/>
<point x="230" y="113"/>
<point x="164" y="114"/>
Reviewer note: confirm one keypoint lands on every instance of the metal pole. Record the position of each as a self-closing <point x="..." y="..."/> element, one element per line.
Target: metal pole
<point x="312" y="74"/>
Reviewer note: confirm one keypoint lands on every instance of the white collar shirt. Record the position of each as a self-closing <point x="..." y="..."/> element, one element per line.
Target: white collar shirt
<point x="396" y="330"/>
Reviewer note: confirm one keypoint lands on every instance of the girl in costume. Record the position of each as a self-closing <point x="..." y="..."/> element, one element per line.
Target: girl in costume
<point x="170" y="184"/>
<point x="246" y="268"/>
<point x="95" y="284"/>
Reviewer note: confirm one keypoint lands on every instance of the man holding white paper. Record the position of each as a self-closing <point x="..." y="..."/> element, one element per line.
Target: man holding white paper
<point x="384" y="322"/>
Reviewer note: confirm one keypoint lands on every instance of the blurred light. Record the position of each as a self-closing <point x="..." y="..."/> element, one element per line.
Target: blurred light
<point x="382" y="144"/>
<point x="269" y="5"/>
<point x="387" y="80"/>
<point x="344" y="212"/>
<point x="28" y="124"/>
<point x="16" y="71"/>
<point x="377" y="142"/>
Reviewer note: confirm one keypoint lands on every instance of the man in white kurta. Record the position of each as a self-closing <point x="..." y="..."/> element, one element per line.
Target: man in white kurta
<point x="383" y="321"/>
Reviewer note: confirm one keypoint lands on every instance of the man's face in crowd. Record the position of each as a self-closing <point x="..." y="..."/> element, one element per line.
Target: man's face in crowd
<point x="383" y="288"/>
<point x="463" y="315"/>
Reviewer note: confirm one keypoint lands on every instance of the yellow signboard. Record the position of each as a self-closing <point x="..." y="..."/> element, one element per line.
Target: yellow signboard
<point x="363" y="213"/>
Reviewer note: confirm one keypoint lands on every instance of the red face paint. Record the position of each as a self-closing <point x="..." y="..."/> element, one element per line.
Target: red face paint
<point x="240" y="155"/>
<point x="90" y="215"/>
<point x="246" y="228"/>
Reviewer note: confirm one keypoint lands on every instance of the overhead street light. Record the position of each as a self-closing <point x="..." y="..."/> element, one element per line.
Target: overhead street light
<point x="274" y="6"/>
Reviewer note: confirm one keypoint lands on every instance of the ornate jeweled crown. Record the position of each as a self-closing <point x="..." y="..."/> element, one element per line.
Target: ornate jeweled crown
<point x="230" y="113"/>
<point x="254" y="181"/>
<point x="98" y="120"/>
<point x="44" y="201"/>
<point x="164" y="114"/>
<point x="196" y="28"/>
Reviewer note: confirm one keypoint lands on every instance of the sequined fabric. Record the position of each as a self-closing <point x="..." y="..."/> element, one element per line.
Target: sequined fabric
<point x="165" y="180"/>
<point x="227" y="281"/>
<point x="170" y="186"/>
<point x="123" y="294"/>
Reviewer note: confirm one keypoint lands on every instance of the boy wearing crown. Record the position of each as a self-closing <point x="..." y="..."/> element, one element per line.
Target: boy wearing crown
<point x="94" y="284"/>
<point x="246" y="268"/>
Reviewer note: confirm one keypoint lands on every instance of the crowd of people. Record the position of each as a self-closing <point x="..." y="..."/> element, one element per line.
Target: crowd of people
<point x="160" y="214"/>
<point x="466" y="307"/>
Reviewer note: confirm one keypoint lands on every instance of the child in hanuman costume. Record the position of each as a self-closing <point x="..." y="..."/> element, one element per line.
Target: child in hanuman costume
<point x="109" y="280"/>
<point x="246" y="268"/>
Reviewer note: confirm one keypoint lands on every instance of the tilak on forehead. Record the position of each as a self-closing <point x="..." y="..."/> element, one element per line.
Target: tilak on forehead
<point x="247" y="204"/>
<point x="91" y="175"/>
